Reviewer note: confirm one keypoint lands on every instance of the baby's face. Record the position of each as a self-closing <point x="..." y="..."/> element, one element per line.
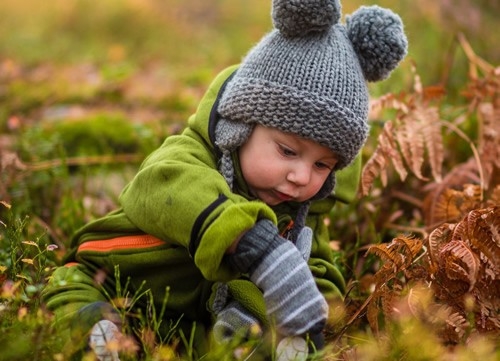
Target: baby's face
<point x="280" y="167"/>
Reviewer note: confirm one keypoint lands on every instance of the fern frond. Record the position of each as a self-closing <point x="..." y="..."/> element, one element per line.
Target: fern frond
<point x="494" y="199"/>
<point x="387" y="101"/>
<point x="437" y="239"/>
<point x="489" y="140"/>
<point x="450" y="205"/>
<point x="389" y="302"/>
<point x="461" y="262"/>
<point x="409" y="247"/>
<point x="411" y="142"/>
<point x="387" y="253"/>
<point x="376" y="166"/>
<point x="458" y="323"/>
<point x="372" y="315"/>
<point x="484" y="233"/>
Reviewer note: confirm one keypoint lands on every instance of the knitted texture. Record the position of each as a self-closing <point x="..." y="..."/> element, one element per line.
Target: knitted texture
<point x="280" y="270"/>
<point x="300" y="99"/>
<point x="308" y="76"/>
<point x="292" y="298"/>
<point x="235" y="321"/>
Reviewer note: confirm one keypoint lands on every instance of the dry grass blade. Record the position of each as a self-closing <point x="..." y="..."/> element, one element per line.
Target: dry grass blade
<point x="433" y="140"/>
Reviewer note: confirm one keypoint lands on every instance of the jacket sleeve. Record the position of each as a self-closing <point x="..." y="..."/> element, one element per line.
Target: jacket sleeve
<point x="179" y="196"/>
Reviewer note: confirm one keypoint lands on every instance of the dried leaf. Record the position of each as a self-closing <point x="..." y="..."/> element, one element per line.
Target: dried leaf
<point x="458" y="323"/>
<point x="411" y="142"/>
<point x="451" y="205"/>
<point x="376" y="166"/>
<point x="372" y="313"/>
<point x="489" y="139"/>
<point x="437" y="239"/>
<point x="484" y="233"/>
<point x="433" y="141"/>
<point x="461" y="262"/>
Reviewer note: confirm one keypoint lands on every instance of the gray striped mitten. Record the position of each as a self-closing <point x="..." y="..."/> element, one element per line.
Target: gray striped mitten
<point x="276" y="266"/>
<point x="235" y="321"/>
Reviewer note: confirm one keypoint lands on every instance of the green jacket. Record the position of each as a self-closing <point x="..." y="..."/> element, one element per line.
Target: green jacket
<point x="176" y="219"/>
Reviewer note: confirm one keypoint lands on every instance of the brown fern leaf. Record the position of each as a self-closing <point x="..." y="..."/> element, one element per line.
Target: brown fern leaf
<point x="376" y="166"/>
<point x="397" y="161"/>
<point x="411" y="142"/>
<point x="451" y="205"/>
<point x="464" y="173"/>
<point x="494" y="199"/>
<point x="460" y="262"/>
<point x="433" y="92"/>
<point x="483" y="233"/>
<point x="437" y="239"/>
<point x="409" y="247"/>
<point x="389" y="301"/>
<point x="458" y="325"/>
<point x="387" y="101"/>
<point x="389" y="255"/>
<point x="488" y="318"/>
<point x="489" y="142"/>
<point x="372" y="315"/>
<point x="396" y="256"/>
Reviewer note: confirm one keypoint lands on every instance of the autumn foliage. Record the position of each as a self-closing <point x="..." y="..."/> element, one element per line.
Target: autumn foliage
<point x="448" y="277"/>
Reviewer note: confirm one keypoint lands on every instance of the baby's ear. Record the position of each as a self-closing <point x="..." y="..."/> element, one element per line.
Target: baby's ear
<point x="378" y="39"/>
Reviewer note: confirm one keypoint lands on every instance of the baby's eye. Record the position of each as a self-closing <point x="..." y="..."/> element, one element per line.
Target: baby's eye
<point x="321" y="165"/>
<point x="287" y="151"/>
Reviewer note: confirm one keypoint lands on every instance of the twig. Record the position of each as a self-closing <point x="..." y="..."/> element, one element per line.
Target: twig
<point x="473" y="58"/>
<point x="474" y="151"/>
<point x="406" y="229"/>
<point x="406" y="197"/>
<point x="86" y="160"/>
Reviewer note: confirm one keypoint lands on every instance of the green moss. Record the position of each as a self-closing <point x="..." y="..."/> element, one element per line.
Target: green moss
<point x="103" y="134"/>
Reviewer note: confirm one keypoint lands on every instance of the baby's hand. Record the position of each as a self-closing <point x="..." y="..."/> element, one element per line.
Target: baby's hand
<point x="276" y="266"/>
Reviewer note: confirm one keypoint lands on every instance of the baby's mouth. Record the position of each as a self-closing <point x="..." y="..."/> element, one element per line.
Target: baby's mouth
<point x="283" y="196"/>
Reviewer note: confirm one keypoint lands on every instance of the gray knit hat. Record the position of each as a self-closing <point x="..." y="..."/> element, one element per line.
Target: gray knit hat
<point x="308" y="77"/>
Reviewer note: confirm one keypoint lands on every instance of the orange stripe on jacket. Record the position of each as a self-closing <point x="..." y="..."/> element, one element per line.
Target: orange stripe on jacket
<point x="71" y="264"/>
<point x="126" y="242"/>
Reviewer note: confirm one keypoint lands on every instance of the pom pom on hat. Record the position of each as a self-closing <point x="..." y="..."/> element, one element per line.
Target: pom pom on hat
<point x="378" y="38"/>
<point x="295" y="18"/>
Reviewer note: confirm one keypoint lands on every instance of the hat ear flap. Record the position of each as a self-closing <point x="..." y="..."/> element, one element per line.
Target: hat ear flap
<point x="229" y="134"/>
<point x="378" y="39"/>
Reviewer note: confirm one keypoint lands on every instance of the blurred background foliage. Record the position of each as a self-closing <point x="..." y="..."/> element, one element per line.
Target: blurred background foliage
<point x="189" y="40"/>
<point x="158" y="55"/>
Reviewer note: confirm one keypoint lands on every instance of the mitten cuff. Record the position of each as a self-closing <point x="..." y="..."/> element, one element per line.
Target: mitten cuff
<point x="254" y="244"/>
